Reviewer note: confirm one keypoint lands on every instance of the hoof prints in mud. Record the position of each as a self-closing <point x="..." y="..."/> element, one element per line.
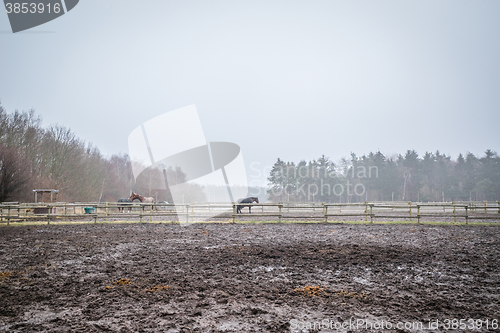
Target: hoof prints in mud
<point x="212" y="277"/>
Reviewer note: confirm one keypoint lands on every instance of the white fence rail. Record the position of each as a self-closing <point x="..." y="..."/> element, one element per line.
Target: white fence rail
<point x="443" y="211"/>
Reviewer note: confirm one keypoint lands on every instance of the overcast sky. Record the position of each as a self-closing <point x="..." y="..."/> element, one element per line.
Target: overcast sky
<point x="287" y="79"/>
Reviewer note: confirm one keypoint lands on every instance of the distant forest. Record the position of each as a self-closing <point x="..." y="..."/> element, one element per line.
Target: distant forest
<point x="376" y="177"/>
<point x="35" y="157"/>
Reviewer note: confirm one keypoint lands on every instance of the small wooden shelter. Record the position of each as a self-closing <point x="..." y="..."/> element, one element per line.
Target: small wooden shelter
<point x="52" y="194"/>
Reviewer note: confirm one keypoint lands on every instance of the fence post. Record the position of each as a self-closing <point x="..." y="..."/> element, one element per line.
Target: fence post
<point x="409" y="203"/>
<point x="48" y="214"/>
<point x="325" y="208"/>
<point x="371" y="213"/>
<point x="151" y="213"/>
<point x="187" y="213"/>
<point x="418" y="214"/>
<point x="366" y="211"/>
<point x="234" y="213"/>
<point x="454" y="212"/>
<point x="107" y="211"/>
<point x="280" y="206"/>
<point x="141" y="207"/>
<point x="466" y="215"/>
<point x="1" y="214"/>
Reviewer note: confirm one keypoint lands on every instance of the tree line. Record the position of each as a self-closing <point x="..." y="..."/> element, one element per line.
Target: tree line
<point x="35" y="157"/>
<point x="53" y="157"/>
<point x="376" y="177"/>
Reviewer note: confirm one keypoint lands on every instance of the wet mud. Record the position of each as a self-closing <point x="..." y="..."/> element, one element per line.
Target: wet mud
<point x="245" y="277"/>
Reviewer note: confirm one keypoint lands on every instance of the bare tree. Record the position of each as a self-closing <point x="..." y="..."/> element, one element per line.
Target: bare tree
<point x="14" y="174"/>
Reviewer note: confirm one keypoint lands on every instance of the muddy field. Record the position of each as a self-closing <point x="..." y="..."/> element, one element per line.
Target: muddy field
<point x="247" y="277"/>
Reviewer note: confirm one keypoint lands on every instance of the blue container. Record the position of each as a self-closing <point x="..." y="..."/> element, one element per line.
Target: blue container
<point x="89" y="210"/>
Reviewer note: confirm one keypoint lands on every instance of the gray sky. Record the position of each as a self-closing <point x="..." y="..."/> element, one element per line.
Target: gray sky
<point x="287" y="79"/>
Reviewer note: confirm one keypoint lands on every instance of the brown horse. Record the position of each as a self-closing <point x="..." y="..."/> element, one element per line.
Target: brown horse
<point x="142" y="199"/>
<point x="246" y="200"/>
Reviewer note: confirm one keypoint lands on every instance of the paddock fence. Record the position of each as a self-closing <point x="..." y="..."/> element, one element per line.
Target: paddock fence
<point x="13" y="212"/>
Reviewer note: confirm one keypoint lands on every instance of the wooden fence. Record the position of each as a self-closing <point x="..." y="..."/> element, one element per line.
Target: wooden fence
<point x="327" y="212"/>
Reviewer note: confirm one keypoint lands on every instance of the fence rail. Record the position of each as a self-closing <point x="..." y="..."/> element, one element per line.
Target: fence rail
<point x="445" y="211"/>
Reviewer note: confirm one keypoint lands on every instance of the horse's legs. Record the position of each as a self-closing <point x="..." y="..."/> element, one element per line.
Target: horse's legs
<point x="249" y="209"/>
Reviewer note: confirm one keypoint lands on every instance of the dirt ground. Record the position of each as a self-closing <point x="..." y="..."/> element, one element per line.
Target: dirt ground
<point x="247" y="277"/>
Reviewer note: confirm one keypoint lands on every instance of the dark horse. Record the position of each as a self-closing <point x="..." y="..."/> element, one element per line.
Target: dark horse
<point x="143" y="199"/>
<point x="124" y="202"/>
<point x="246" y="200"/>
